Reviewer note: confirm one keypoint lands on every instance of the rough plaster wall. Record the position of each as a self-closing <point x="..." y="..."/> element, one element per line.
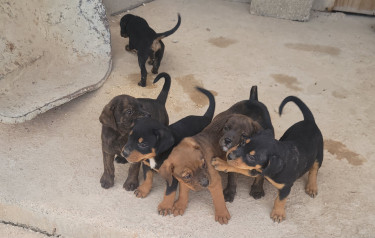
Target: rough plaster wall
<point x="51" y="51"/>
<point x="31" y="27"/>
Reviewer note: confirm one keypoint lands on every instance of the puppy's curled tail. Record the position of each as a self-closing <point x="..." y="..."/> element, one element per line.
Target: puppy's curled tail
<point x="165" y="90"/>
<point x="211" y="108"/>
<point x="254" y="93"/>
<point x="160" y="36"/>
<point x="307" y="115"/>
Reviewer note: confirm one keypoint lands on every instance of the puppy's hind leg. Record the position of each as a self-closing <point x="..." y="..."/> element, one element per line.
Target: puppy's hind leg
<point x="142" y="58"/>
<point x="158" y="57"/>
<point x="311" y="186"/>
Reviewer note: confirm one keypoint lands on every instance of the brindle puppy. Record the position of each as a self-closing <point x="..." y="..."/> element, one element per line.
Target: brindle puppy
<point x="117" y="120"/>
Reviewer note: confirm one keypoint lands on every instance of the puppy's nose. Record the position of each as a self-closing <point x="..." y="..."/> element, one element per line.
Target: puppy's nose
<point x="227" y="141"/>
<point x="204" y="182"/>
<point x="125" y="153"/>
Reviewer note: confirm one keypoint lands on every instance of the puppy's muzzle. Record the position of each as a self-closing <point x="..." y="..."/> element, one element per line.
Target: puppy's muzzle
<point x="204" y="182"/>
<point x="125" y="153"/>
<point x="232" y="156"/>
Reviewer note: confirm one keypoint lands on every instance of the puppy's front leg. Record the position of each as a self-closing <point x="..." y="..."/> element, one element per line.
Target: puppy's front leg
<point x="107" y="179"/>
<point x="132" y="182"/>
<point x="166" y="206"/>
<point x="221" y="212"/>
<point x="180" y="205"/>
<point x="278" y="212"/>
<point x="145" y="188"/>
<point x="257" y="190"/>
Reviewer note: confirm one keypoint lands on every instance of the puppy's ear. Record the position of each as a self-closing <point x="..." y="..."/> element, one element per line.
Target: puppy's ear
<point x="256" y="127"/>
<point x="275" y="165"/>
<point x="164" y="140"/>
<point x="107" y="118"/>
<point x="166" y="171"/>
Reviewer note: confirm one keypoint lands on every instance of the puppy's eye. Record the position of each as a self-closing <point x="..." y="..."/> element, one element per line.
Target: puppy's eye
<point x="226" y="128"/>
<point x="187" y="176"/>
<point x="129" y="111"/>
<point x="142" y="145"/>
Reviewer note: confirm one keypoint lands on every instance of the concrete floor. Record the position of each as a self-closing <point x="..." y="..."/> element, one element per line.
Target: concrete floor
<point x="51" y="165"/>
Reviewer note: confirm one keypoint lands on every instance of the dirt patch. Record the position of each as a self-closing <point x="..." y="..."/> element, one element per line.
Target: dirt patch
<point x="289" y="81"/>
<point x="221" y="42"/>
<point x="188" y="83"/>
<point x="338" y="94"/>
<point x="341" y="151"/>
<point x="333" y="51"/>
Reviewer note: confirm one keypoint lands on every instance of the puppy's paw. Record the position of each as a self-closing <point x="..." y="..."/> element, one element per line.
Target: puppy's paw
<point x="256" y="191"/>
<point x="107" y="181"/>
<point x="222" y="216"/>
<point x="219" y="164"/>
<point x="154" y="71"/>
<point x="127" y="48"/>
<point x="165" y="209"/>
<point x="278" y="215"/>
<point x="139" y="193"/>
<point x="142" y="84"/>
<point x="130" y="185"/>
<point x="229" y="194"/>
<point x="179" y="208"/>
<point x="311" y="190"/>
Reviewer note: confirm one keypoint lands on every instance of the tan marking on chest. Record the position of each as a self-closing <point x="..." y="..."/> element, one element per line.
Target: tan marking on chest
<point x="140" y="140"/>
<point x="276" y="185"/>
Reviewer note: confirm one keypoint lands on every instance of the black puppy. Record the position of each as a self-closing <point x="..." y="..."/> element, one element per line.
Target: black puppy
<point x="145" y="41"/>
<point x="151" y="142"/>
<point x="282" y="162"/>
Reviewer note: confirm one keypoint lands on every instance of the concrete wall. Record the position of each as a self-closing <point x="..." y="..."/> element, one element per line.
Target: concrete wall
<point x="114" y="7"/>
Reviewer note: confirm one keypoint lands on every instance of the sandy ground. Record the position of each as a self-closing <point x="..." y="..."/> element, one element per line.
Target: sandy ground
<point x="51" y="165"/>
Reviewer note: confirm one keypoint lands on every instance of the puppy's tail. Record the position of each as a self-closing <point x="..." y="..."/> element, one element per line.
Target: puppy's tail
<point x="307" y="115"/>
<point x="165" y="90"/>
<point x="254" y="93"/>
<point x="211" y="108"/>
<point x="160" y="36"/>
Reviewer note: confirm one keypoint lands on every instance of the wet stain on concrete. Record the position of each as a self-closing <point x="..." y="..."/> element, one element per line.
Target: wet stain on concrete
<point x="188" y="83"/>
<point x="135" y="78"/>
<point x="342" y="152"/>
<point x="221" y="42"/>
<point x="289" y="81"/>
<point x="333" y="51"/>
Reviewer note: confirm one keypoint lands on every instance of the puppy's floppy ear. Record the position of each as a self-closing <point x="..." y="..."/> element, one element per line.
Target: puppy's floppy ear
<point x="256" y="127"/>
<point x="166" y="171"/>
<point x="107" y="118"/>
<point x="275" y="165"/>
<point x="164" y="140"/>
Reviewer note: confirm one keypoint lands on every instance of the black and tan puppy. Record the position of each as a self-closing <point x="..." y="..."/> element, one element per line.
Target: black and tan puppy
<point x="117" y="120"/>
<point x="190" y="161"/>
<point x="151" y="142"/>
<point x="144" y="40"/>
<point x="282" y="162"/>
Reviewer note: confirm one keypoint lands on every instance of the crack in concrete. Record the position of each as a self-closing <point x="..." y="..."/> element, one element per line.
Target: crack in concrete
<point x="35" y="229"/>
